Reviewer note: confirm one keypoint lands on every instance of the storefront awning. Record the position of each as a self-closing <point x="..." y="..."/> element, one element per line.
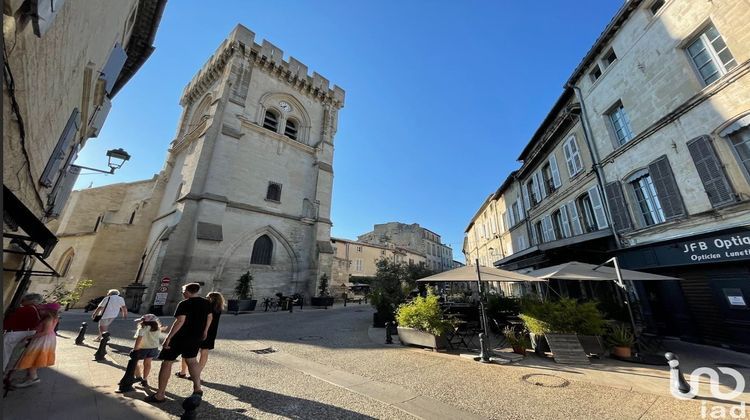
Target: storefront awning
<point x="575" y="270"/>
<point x="735" y="126"/>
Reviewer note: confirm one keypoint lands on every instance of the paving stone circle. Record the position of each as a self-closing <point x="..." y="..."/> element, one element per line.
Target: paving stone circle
<point x="547" y="381"/>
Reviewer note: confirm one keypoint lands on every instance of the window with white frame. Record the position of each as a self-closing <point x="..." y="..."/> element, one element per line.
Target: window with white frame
<point x="648" y="204"/>
<point x="359" y="248"/>
<point x="710" y="55"/>
<point x="620" y="124"/>
<point x="741" y="142"/>
<point x="358" y="265"/>
<point x="572" y="156"/>
<point x="586" y="211"/>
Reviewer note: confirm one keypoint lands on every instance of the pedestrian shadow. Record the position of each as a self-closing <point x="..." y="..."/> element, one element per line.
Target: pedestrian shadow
<point x="283" y="405"/>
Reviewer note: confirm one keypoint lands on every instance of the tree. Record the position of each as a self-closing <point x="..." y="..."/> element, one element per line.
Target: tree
<point x="244" y="287"/>
<point x="323" y="285"/>
<point x="389" y="288"/>
<point x="60" y="294"/>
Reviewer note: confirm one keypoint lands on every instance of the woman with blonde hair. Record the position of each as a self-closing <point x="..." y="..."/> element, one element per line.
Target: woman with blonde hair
<point x="217" y="306"/>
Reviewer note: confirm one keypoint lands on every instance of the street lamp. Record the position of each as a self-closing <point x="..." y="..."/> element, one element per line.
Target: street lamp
<point x="115" y="159"/>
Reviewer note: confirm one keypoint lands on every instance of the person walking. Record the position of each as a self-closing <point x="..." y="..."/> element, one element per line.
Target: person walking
<point x="192" y="320"/>
<point x="107" y="311"/>
<point x="146" y="345"/>
<point x="217" y="306"/>
<point x="40" y="352"/>
<point x="20" y="324"/>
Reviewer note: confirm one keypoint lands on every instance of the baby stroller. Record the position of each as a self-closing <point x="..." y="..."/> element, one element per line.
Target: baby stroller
<point x="16" y="354"/>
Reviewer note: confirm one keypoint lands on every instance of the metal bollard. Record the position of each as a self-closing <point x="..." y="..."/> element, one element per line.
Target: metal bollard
<point x="81" y="334"/>
<point x="128" y="379"/>
<point x="291" y="305"/>
<point x="344" y="299"/>
<point x="678" y="385"/>
<point x="484" y="355"/>
<point x="389" y="332"/>
<point x="101" y="353"/>
<point x="190" y="405"/>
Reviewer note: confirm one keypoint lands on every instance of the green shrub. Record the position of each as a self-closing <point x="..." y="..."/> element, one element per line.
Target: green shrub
<point x="423" y="314"/>
<point x="244" y="287"/>
<point x="620" y="336"/>
<point x="566" y="316"/>
<point x="517" y="339"/>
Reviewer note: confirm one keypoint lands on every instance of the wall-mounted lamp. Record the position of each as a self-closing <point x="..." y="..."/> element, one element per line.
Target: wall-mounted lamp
<point x="115" y="159"/>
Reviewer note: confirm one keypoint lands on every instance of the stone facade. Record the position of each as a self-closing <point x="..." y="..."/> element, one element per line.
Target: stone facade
<point x="353" y="259"/>
<point x="660" y="110"/>
<point x="252" y="163"/>
<point x="64" y="71"/>
<point x="102" y="234"/>
<point x="415" y="238"/>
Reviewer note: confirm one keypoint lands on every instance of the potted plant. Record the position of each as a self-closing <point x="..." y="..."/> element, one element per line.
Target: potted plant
<point x="244" y="292"/>
<point x="621" y="340"/>
<point x="421" y="323"/>
<point x="519" y="341"/>
<point x="323" y="298"/>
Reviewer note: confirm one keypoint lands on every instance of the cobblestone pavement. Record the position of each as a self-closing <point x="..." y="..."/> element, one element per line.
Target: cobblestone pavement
<point x="323" y="364"/>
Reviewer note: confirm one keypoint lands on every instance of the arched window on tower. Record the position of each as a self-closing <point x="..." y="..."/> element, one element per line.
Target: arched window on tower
<point x="271" y="120"/>
<point x="291" y="129"/>
<point x="262" y="250"/>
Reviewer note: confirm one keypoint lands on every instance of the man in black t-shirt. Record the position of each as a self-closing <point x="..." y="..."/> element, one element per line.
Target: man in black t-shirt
<point x="189" y="329"/>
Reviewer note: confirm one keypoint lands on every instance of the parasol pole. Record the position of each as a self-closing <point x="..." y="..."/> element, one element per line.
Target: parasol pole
<point x="484" y="353"/>
<point x="624" y="287"/>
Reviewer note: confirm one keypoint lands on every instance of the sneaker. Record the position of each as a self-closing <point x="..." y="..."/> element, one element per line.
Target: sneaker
<point x="27" y="383"/>
<point x="144" y="383"/>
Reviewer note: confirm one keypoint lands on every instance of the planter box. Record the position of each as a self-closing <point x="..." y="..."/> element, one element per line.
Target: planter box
<point x="539" y="343"/>
<point x="325" y="301"/>
<point x="245" y="305"/>
<point x="421" y="338"/>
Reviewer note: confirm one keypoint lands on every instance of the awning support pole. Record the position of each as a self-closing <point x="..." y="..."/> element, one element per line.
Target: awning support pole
<point x="484" y="345"/>
<point x="624" y="287"/>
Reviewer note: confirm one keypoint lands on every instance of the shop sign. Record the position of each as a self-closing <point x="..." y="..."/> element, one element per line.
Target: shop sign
<point x="732" y="247"/>
<point x="718" y="249"/>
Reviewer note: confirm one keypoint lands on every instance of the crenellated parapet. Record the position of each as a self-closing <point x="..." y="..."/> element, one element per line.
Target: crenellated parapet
<point x="268" y="58"/>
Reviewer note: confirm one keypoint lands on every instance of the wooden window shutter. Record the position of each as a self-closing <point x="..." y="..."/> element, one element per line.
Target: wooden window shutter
<point x="711" y="172"/>
<point x="618" y="207"/>
<point x="61" y="149"/>
<point x="666" y="188"/>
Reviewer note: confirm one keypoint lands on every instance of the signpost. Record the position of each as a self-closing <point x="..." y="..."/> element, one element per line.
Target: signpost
<point x="160" y="297"/>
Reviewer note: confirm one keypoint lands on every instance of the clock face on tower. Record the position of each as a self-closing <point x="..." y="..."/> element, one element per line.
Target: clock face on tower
<point x="285" y="106"/>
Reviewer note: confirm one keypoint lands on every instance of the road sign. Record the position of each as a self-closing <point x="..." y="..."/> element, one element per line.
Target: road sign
<point x="163" y="289"/>
<point x="165" y="280"/>
<point x="160" y="299"/>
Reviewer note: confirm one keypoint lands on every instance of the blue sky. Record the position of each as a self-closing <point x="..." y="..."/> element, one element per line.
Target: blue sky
<point x="441" y="96"/>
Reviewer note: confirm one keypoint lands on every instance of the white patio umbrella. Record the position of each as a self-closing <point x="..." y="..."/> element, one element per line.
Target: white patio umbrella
<point x="474" y="273"/>
<point x="575" y="270"/>
<point x="480" y="275"/>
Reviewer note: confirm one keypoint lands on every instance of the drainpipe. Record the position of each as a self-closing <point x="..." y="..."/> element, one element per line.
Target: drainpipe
<point x="601" y="179"/>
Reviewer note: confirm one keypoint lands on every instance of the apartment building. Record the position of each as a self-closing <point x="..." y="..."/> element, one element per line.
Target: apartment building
<point x="646" y="156"/>
<point x="355" y="261"/>
<point x="64" y="64"/>
<point x="439" y="256"/>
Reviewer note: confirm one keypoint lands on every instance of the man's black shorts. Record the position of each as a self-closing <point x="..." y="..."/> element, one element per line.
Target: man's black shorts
<point x="186" y="350"/>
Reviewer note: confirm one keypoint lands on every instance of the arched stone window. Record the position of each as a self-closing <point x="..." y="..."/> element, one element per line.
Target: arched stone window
<point x="262" y="251"/>
<point x="271" y="120"/>
<point x="290" y="130"/>
<point x="198" y="118"/>
<point x="65" y="261"/>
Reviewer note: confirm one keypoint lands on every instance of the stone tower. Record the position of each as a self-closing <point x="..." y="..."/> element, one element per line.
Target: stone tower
<point x="248" y="179"/>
